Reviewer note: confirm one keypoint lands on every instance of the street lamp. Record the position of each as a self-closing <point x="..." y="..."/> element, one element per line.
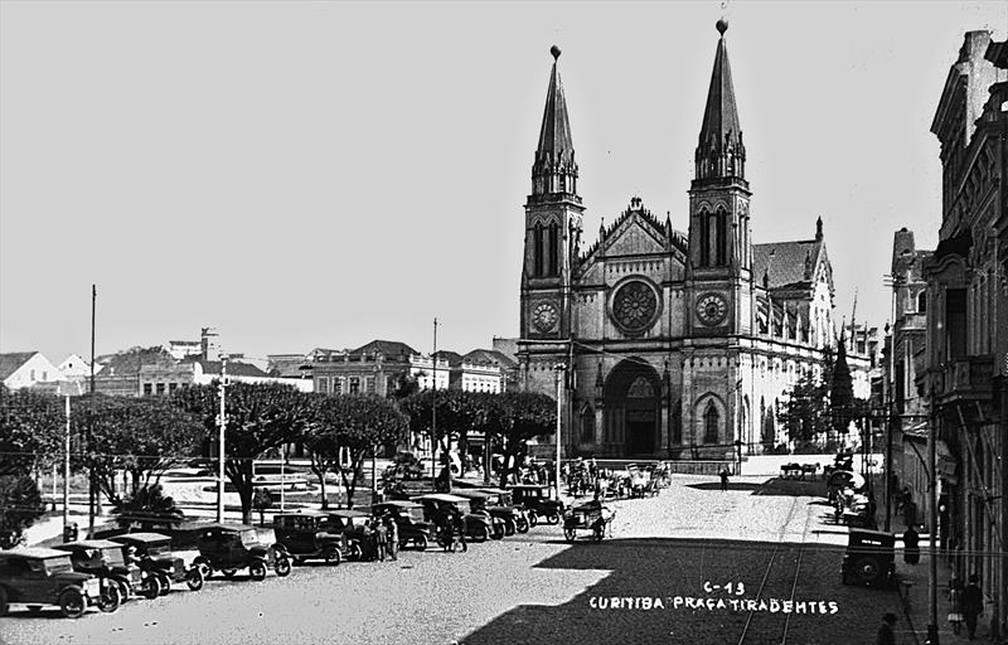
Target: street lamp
<point x="559" y="367"/>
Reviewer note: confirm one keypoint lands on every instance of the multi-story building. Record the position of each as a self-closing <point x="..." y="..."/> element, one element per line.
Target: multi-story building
<point x="967" y="315"/>
<point x="672" y="343"/>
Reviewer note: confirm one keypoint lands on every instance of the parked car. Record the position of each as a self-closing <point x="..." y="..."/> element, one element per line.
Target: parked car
<point x="409" y="518"/>
<point x="479" y="526"/>
<point x="591" y="516"/>
<point x="104" y="559"/>
<point x="538" y="500"/>
<point x="354" y="527"/>
<point x="153" y="553"/>
<point x="37" y="577"/>
<point x="869" y="559"/>
<point x="310" y="535"/>
<point x="230" y="547"/>
<point x="500" y="504"/>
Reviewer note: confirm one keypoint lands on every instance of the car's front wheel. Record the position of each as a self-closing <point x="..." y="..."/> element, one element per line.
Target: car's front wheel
<point x="165" y="584"/>
<point x="111" y="598"/>
<point x="332" y="556"/>
<point x="522" y="525"/>
<point x="569" y="534"/>
<point x="499" y="532"/>
<point x="553" y="518"/>
<point x="257" y="570"/>
<point x="72" y="602"/>
<point x="152" y="587"/>
<point x="421" y="542"/>
<point x="282" y="566"/>
<point x="204" y="566"/>
<point x="194" y="578"/>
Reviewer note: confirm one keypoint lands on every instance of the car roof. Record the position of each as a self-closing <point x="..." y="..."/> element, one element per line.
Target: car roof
<point x="492" y="491"/>
<point x="90" y="544"/>
<point x="348" y="513"/>
<point x="304" y="513"/>
<point x="513" y="486"/>
<point x="236" y="528"/>
<point x="144" y="538"/>
<point x="472" y="493"/>
<point x="400" y="503"/>
<point x="442" y="497"/>
<point x="34" y="553"/>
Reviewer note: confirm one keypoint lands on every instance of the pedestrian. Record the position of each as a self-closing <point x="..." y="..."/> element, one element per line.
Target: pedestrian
<point x="458" y="526"/>
<point x="955" y="612"/>
<point x="972" y="605"/>
<point x="911" y="546"/>
<point x="393" y="537"/>
<point x="885" y="635"/>
<point x="724" y="478"/>
<point x="382" y="538"/>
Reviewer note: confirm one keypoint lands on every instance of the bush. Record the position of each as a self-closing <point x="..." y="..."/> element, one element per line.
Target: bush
<point x="150" y="507"/>
<point x="807" y="448"/>
<point x="20" y="505"/>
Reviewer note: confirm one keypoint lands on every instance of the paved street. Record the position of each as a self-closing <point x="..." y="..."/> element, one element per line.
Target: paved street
<point x="659" y="579"/>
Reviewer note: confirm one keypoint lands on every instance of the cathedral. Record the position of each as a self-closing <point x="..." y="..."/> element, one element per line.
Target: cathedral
<point x="663" y="343"/>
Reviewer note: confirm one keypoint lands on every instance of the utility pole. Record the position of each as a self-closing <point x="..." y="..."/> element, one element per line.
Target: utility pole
<point x="433" y="410"/>
<point x="559" y="398"/>
<point x="90" y="433"/>
<point x="932" y="519"/>
<point x="220" y="441"/>
<point x="66" y="467"/>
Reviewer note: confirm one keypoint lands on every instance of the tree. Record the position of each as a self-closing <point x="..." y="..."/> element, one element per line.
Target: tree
<point x="805" y="413"/>
<point x="260" y="416"/>
<point x="20" y="505"/>
<point x="31" y="429"/>
<point x="322" y="441"/>
<point x="514" y="418"/>
<point x="457" y="413"/>
<point x="263" y="501"/>
<point x="358" y="424"/>
<point x="144" y="437"/>
<point x="841" y="390"/>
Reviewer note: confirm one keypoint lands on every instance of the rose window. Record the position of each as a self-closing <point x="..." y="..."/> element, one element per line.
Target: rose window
<point x="634" y="306"/>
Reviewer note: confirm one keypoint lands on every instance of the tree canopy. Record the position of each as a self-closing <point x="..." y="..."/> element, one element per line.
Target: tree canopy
<point x="31" y="429"/>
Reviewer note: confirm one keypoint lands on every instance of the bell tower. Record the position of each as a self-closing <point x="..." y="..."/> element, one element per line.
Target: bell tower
<point x="720" y="257"/>
<point x="552" y="223"/>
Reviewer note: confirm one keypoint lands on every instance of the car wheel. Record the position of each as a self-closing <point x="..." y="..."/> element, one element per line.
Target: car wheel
<point x="257" y="570"/>
<point x="356" y="553"/>
<point x="72" y="603"/>
<point x="194" y="578"/>
<point x="282" y="566"/>
<point x="597" y="534"/>
<point x="510" y="527"/>
<point x="868" y="570"/>
<point x="165" y="584"/>
<point x="332" y="556"/>
<point x="553" y="518"/>
<point x="111" y="598"/>
<point x="499" y="532"/>
<point x="4" y="603"/>
<point x="152" y="587"/>
<point x="204" y="566"/>
<point x="533" y="518"/>
<point x="569" y="535"/>
<point x="522" y="525"/>
<point x="421" y="542"/>
<point x="482" y="535"/>
<point x="124" y="590"/>
<point x="229" y="573"/>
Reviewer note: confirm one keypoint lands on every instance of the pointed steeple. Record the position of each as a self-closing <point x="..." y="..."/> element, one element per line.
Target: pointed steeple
<point x="554" y="170"/>
<point x="720" y="152"/>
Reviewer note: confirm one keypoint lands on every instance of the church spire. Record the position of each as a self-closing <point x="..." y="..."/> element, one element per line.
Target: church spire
<point x="720" y="152"/>
<point x="554" y="170"/>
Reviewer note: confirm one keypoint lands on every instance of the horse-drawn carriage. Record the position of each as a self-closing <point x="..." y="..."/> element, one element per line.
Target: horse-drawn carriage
<point x="591" y="516"/>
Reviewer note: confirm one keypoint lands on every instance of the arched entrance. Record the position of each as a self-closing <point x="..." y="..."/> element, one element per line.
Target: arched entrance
<point x="633" y="406"/>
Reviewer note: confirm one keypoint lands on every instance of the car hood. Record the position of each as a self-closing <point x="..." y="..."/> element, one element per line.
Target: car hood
<point x="72" y="578"/>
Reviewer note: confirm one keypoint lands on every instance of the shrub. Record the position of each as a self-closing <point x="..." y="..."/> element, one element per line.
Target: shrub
<point x="149" y="507"/>
<point x="20" y="505"/>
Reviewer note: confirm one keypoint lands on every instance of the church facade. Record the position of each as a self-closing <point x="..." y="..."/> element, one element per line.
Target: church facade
<point x="667" y="343"/>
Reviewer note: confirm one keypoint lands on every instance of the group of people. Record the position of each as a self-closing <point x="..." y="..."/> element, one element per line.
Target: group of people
<point x="381" y="539"/>
<point x="965" y="606"/>
<point x="450" y="524"/>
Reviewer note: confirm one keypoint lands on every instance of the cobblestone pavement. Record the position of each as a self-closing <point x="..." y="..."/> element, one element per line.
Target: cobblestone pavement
<point x="693" y="565"/>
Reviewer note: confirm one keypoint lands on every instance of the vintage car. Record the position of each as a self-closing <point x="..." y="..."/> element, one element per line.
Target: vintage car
<point x="310" y="535"/>
<point x="479" y="526"/>
<point x="230" y="547"/>
<point x="153" y="553"/>
<point x="590" y="516"/>
<point x="409" y="518"/>
<point x="104" y="560"/>
<point x="355" y="526"/>
<point x="36" y="577"/>
<point x="538" y="500"/>
<point x="869" y="559"/>
<point x="500" y="504"/>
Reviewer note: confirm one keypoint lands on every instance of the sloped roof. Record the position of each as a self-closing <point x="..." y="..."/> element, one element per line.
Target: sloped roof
<point x="492" y="356"/>
<point x="387" y="348"/>
<point x="555" y="145"/>
<point x="720" y="127"/>
<point x="786" y="263"/>
<point x="129" y="361"/>
<point x="453" y="358"/>
<point x="234" y="368"/>
<point x="9" y="363"/>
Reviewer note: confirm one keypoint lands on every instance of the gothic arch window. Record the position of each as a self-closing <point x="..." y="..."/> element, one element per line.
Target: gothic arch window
<point x="677" y="423"/>
<point x="721" y="245"/>
<point x="922" y="302"/>
<point x="704" y="238"/>
<point x="587" y="425"/>
<point x="710" y="421"/>
<point x="554" y="249"/>
<point x="537" y="248"/>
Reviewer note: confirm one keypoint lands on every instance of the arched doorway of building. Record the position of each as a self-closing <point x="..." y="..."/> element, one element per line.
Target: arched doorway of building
<point x="633" y="406"/>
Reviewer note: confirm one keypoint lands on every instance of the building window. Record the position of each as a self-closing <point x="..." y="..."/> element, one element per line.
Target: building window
<point x="172" y="387"/>
<point x="955" y="323"/>
<point x="33" y="375"/>
<point x="922" y="302"/>
<point x="704" y="239"/>
<point x="337" y="385"/>
<point x="537" y="251"/>
<point x="354" y="385"/>
<point x="721" y="246"/>
<point x="147" y="389"/>
<point x="587" y="426"/>
<point x="554" y="250"/>
<point x="370" y="385"/>
<point x="160" y="389"/>
<point x="710" y="419"/>
<point x="322" y="384"/>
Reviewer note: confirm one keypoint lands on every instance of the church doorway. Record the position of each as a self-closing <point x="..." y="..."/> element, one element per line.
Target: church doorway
<point x="633" y="407"/>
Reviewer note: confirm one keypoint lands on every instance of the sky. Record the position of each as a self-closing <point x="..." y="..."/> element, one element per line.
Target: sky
<point x="320" y="174"/>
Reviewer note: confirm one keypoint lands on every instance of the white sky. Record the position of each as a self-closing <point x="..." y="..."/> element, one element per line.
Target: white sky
<point x="308" y="174"/>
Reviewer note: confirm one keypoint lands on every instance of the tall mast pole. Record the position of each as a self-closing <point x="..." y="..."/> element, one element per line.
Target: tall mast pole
<point x="220" y="441"/>
<point x="433" y="449"/>
<point x="91" y="481"/>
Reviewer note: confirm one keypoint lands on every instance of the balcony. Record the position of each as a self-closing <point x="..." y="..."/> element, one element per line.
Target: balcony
<point x="966" y="379"/>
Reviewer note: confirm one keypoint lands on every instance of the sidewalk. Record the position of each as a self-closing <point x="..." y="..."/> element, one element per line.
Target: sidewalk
<point x="913" y="587"/>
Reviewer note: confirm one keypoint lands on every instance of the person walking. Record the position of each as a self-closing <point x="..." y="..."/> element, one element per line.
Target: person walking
<point x="955" y="611"/>
<point x="724" y="478"/>
<point x="381" y="534"/>
<point x="972" y="605"/>
<point x="911" y="546"/>
<point x="393" y="537"/>
<point x="885" y="634"/>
